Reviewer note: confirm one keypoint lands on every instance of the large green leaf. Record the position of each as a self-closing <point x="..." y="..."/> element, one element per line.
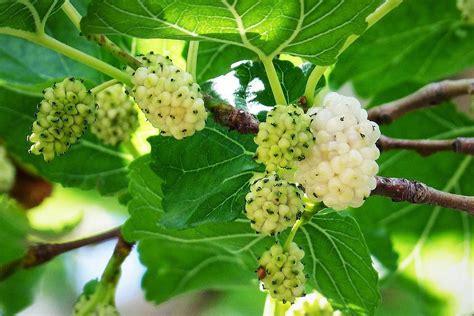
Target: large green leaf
<point x="224" y="255"/>
<point x="205" y="176"/>
<point x="145" y="206"/>
<point x="89" y="164"/>
<point x="401" y="48"/>
<point x="314" y="30"/>
<point x="14" y="229"/>
<point x="26" y="15"/>
<point x="215" y="59"/>
<point x="29" y="68"/>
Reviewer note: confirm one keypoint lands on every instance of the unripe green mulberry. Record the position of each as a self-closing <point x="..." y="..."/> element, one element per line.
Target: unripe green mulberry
<point x="7" y="172"/>
<point x="62" y="118"/>
<point x="467" y="9"/>
<point x="313" y="304"/>
<point x="273" y="204"/>
<point x="116" y="117"/>
<point x="168" y="96"/>
<point x="82" y="308"/>
<point x="284" y="138"/>
<point x="284" y="276"/>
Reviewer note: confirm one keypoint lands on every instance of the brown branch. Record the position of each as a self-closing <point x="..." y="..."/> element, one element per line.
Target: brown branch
<point x="426" y="147"/>
<point x="431" y="94"/>
<point x="41" y="253"/>
<point x="227" y="115"/>
<point x="399" y="189"/>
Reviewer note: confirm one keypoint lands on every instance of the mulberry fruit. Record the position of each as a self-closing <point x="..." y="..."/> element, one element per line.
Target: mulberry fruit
<point x="7" y="172"/>
<point x="284" y="273"/>
<point x="340" y="168"/>
<point x="62" y="118"/>
<point x="167" y="95"/>
<point x="116" y="117"/>
<point x="82" y="307"/>
<point x="273" y="204"/>
<point x="284" y="138"/>
<point x="313" y="304"/>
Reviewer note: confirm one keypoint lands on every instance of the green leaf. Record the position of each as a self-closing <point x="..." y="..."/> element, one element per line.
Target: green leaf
<point x="314" y="30"/>
<point x="145" y="206"/>
<point x="13" y="231"/>
<point x="336" y="259"/>
<point x="215" y="59"/>
<point x="29" y="68"/>
<point x="87" y="165"/>
<point x="401" y="48"/>
<point x="27" y="15"/>
<point x="18" y="291"/>
<point x="239" y="302"/>
<point x="338" y="262"/>
<point x="205" y="176"/>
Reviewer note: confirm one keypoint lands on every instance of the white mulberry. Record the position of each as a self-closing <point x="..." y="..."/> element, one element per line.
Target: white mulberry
<point x="167" y="95"/>
<point x="341" y="166"/>
<point x="313" y="304"/>
<point x="273" y="204"/>
<point x="116" y="117"/>
<point x="62" y="118"/>
<point x="284" y="138"/>
<point x="467" y="10"/>
<point x="101" y="309"/>
<point x="7" y="172"/>
<point x="284" y="276"/>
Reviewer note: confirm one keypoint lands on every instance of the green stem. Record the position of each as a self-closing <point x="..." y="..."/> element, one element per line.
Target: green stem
<point x="371" y="19"/>
<point x="293" y="232"/>
<point x="132" y="149"/>
<point x="306" y="217"/>
<point x="72" y="14"/>
<point x="191" y="61"/>
<point x="273" y="79"/>
<point x="313" y="80"/>
<point x="101" y="39"/>
<point x="103" y="86"/>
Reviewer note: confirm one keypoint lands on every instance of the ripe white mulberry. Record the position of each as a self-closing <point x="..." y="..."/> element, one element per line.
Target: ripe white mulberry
<point x="341" y="166"/>
<point x="284" y="138"/>
<point x="116" y="117"/>
<point x="101" y="309"/>
<point x="7" y="172"/>
<point x="273" y="204"/>
<point x="284" y="276"/>
<point x="313" y="304"/>
<point x="167" y="95"/>
<point x="62" y="118"/>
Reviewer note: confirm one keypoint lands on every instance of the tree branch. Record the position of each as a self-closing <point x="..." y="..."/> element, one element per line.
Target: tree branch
<point x="399" y="190"/>
<point x="431" y="94"/>
<point x="426" y="147"/>
<point x="41" y="253"/>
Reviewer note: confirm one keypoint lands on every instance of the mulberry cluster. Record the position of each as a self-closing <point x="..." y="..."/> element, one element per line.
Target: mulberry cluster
<point x="273" y="204"/>
<point x="340" y="169"/>
<point x="467" y="9"/>
<point x="62" y="118"/>
<point x="81" y="308"/>
<point x="7" y="172"/>
<point x="116" y="118"/>
<point x="168" y="96"/>
<point x="313" y="304"/>
<point x="284" y="138"/>
<point x="284" y="273"/>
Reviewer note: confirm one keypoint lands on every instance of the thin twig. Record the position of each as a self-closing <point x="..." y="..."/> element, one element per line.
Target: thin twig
<point x="403" y="190"/>
<point x="41" y="253"/>
<point x="431" y="94"/>
<point x="426" y="147"/>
